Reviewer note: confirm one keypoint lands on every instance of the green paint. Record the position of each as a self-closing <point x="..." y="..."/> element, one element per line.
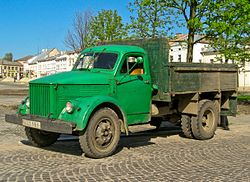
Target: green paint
<point x="83" y="108"/>
<point x="89" y="87"/>
<point x="23" y="109"/>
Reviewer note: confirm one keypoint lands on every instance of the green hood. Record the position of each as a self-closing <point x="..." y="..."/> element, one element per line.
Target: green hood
<point x="75" y="77"/>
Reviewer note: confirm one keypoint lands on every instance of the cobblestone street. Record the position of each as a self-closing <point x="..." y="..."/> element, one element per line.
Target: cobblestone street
<point x="143" y="156"/>
<point x="147" y="155"/>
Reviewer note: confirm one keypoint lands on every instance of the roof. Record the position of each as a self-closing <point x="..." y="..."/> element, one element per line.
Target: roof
<point x="184" y="37"/>
<point x="47" y="59"/>
<point x="73" y="52"/>
<point x="115" y="48"/>
<point x="24" y="59"/>
<point x="42" y="56"/>
<point x="10" y="63"/>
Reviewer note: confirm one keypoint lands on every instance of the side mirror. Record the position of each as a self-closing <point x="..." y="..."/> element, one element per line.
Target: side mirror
<point x="139" y="60"/>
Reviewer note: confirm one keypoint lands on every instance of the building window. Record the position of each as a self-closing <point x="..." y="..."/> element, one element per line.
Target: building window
<point x="179" y="49"/>
<point x="179" y="58"/>
<point x="211" y="60"/>
<point x="171" y="58"/>
<point x="199" y="60"/>
<point x="171" y="49"/>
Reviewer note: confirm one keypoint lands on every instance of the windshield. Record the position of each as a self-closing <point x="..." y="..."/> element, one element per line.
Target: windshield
<point x="96" y="60"/>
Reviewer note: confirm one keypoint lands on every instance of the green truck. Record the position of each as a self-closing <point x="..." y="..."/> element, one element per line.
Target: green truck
<point x="128" y="83"/>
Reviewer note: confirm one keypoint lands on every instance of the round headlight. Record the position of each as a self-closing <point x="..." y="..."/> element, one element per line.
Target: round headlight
<point x="69" y="107"/>
<point x="27" y="102"/>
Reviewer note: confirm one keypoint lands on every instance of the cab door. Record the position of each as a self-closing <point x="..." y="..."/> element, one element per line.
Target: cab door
<point x="134" y="88"/>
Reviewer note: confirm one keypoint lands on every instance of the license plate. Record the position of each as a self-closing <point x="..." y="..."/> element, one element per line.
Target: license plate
<point x="32" y="124"/>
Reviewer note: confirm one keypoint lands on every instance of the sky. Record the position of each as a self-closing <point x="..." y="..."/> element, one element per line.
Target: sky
<point x="27" y="26"/>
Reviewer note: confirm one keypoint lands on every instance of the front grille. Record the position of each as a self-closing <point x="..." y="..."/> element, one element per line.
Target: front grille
<point x="39" y="99"/>
<point x="44" y="101"/>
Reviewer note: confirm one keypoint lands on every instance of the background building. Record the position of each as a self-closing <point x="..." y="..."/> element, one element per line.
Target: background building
<point x="31" y="69"/>
<point x="178" y="48"/>
<point x="11" y="69"/>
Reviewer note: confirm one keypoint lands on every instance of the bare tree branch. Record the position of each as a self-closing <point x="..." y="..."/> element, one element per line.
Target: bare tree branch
<point x="77" y="37"/>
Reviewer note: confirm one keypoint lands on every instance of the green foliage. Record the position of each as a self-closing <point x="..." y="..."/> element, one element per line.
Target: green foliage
<point x="8" y="57"/>
<point x="149" y="19"/>
<point x="243" y="98"/>
<point x="228" y="23"/>
<point x="225" y="23"/>
<point x="107" y="26"/>
<point x="190" y="13"/>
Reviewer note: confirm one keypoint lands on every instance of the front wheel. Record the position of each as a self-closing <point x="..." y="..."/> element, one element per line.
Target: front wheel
<point x="41" y="138"/>
<point x="102" y="134"/>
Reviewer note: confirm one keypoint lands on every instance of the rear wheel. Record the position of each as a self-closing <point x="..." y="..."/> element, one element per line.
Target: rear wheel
<point x="41" y="138"/>
<point x="102" y="134"/>
<point x="186" y="126"/>
<point x="205" y="123"/>
<point x="156" y="122"/>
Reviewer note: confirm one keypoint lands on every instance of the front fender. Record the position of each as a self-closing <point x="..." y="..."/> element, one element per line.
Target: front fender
<point x="84" y="107"/>
<point x="22" y="108"/>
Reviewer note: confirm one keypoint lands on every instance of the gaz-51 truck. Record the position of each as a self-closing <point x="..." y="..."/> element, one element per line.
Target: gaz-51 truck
<point x="114" y="86"/>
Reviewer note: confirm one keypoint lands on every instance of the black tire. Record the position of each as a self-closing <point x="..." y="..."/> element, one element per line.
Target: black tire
<point x="41" y="138"/>
<point x="186" y="126"/>
<point x="156" y="122"/>
<point x="102" y="134"/>
<point x="205" y="123"/>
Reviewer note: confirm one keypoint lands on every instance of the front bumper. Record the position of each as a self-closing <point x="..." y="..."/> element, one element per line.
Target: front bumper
<point x="57" y="126"/>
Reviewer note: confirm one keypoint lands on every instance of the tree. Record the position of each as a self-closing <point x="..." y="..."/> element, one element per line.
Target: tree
<point x="8" y="57"/>
<point x="149" y="19"/>
<point x="78" y="37"/>
<point x="204" y="17"/>
<point x="107" y="26"/>
<point x="229" y="23"/>
<point x="191" y="13"/>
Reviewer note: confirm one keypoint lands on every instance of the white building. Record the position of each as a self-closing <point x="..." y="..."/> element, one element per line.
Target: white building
<point x="209" y="55"/>
<point x="46" y="66"/>
<point x="66" y="61"/>
<point x="178" y="49"/>
<point x="55" y="64"/>
<point x="33" y="69"/>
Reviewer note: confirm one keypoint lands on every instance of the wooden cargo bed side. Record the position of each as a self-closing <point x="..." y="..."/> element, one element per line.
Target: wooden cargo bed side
<point x="195" y="77"/>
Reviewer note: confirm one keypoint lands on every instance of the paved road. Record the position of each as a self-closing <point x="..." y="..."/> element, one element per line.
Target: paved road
<point x="144" y="156"/>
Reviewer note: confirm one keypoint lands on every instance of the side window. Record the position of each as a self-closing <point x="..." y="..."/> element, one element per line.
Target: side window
<point x="133" y="65"/>
<point x="124" y="68"/>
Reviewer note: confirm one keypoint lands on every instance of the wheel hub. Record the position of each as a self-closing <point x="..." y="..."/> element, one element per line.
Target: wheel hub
<point x="103" y="133"/>
<point x="207" y="120"/>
